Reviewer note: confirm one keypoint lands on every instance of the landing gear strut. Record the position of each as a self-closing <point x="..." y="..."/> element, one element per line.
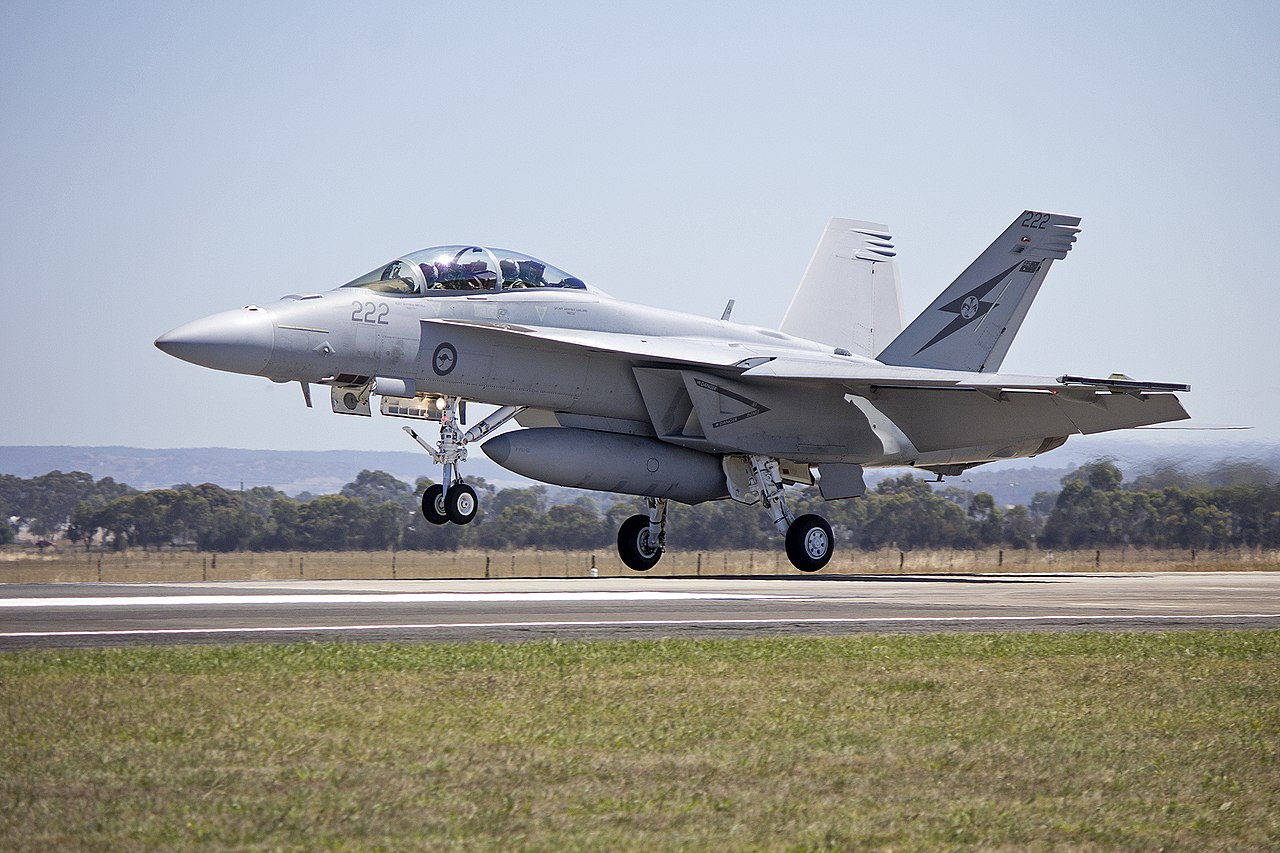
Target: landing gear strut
<point x="452" y="500"/>
<point x="809" y="541"/>
<point x="642" y="538"/>
<point x="808" y="538"/>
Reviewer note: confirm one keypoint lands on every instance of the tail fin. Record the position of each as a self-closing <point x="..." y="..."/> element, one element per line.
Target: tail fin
<point x="849" y="296"/>
<point x="971" y="325"/>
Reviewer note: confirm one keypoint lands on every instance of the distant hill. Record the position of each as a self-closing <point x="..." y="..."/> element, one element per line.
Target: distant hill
<point x="291" y="471"/>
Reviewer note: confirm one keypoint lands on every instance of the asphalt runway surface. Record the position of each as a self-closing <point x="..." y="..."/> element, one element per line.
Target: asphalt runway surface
<point x="73" y="615"/>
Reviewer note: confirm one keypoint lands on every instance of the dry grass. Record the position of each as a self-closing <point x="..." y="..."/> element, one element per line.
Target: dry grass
<point x="1088" y="741"/>
<point x="22" y="566"/>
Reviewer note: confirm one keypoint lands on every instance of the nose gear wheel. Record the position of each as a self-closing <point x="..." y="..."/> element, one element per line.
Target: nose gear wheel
<point x="460" y="504"/>
<point x="453" y="500"/>
<point x="433" y="505"/>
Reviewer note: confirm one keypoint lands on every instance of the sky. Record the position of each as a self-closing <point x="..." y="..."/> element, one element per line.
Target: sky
<point x="163" y="161"/>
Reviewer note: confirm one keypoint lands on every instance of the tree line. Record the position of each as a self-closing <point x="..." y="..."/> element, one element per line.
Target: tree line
<point x="377" y="511"/>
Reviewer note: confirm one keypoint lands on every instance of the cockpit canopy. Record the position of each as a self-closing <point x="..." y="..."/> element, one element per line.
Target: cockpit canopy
<point x="444" y="270"/>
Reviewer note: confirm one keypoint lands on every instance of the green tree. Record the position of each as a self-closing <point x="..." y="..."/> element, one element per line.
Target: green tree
<point x="986" y="519"/>
<point x="574" y="526"/>
<point x="516" y="518"/>
<point x="904" y="512"/>
<point x="378" y="487"/>
<point x="283" y="533"/>
<point x="1019" y="528"/>
<point x="330" y="522"/>
<point x="1100" y="474"/>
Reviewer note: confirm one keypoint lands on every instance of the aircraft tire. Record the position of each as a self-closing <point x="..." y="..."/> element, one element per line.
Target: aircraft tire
<point x="460" y="504"/>
<point x="633" y="544"/>
<point x="433" y="505"/>
<point x="809" y="543"/>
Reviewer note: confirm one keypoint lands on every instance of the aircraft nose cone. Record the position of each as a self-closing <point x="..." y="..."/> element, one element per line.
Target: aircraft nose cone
<point x="238" y="341"/>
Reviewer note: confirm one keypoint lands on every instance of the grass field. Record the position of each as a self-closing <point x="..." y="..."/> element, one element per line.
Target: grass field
<point x="1012" y="741"/>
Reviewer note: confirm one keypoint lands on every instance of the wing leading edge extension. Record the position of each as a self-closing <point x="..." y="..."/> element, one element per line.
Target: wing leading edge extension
<point x="650" y="347"/>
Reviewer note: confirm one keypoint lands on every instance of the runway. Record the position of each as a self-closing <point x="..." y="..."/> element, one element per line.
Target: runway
<point x="71" y="615"/>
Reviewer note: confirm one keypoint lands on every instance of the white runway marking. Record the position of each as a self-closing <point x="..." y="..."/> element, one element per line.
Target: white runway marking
<point x="385" y="598"/>
<point x="624" y="623"/>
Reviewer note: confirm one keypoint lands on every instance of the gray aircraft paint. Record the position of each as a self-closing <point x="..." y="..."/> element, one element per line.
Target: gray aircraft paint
<point x="630" y="379"/>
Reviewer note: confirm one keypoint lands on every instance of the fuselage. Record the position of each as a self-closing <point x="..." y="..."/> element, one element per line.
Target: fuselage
<point x="626" y="398"/>
<point x="353" y="333"/>
<point x="502" y="328"/>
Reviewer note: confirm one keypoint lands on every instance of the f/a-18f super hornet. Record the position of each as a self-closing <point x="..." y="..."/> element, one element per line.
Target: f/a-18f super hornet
<point x="669" y="406"/>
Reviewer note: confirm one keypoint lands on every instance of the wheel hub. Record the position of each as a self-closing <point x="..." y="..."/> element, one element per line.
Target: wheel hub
<point x="816" y="543"/>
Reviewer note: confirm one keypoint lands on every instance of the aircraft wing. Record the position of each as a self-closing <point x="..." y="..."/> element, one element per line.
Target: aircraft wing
<point x="855" y="418"/>
<point x="950" y="408"/>
<point x="866" y="372"/>
<point x="872" y="374"/>
<point x="722" y="396"/>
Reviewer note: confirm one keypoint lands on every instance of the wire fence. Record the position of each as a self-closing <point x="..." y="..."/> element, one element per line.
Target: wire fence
<point x="29" y="566"/>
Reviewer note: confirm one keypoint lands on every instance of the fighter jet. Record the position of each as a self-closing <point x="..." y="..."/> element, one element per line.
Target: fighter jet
<point x="626" y="398"/>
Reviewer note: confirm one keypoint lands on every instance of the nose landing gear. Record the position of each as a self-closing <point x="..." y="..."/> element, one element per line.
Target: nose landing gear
<point x="452" y="500"/>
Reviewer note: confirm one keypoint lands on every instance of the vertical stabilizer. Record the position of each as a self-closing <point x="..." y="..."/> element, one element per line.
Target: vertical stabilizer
<point x="849" y="296"/>
<point x="971" y="325"/>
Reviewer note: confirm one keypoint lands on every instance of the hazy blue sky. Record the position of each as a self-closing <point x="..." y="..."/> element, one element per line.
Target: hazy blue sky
<point x="164" y="161"/>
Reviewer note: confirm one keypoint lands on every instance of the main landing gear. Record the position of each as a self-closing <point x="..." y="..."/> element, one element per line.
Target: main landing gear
<point x="452" y="500"/>
<point x="808" y="538"/>
<point x="642" y="538"/>
<point x="809" y="542"/>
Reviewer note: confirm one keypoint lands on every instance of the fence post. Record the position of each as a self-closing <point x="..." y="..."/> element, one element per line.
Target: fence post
<point x="486" y="566"/>
<point x="1097" y="559"/>
<point x="1000" y="562"/>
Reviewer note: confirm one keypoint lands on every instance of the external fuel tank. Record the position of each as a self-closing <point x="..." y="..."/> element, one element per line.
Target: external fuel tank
<point x="610" y="462"/>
